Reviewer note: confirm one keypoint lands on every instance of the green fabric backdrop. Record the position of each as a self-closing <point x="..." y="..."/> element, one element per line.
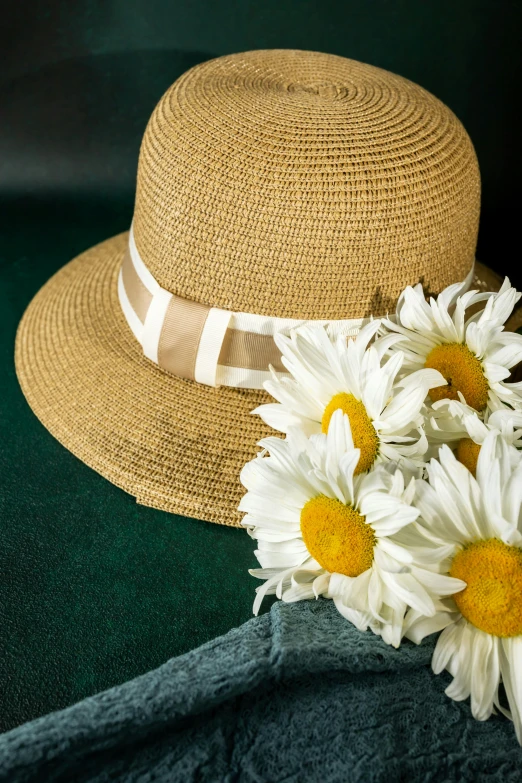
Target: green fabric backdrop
<point x="93" y="588"/>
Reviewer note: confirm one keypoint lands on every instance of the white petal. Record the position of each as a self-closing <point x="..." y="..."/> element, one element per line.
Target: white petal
<point x="446" y="647"/>
<point x="499" y="307"/>
<point x="396" y="551"/>
<point x="485" y="674"/>
<point x="438" y="584"/>
<point x="415" y="313"/>
<point x="297" y="593"/>
<point x="269" y="588"/>
<point x="425" y="626"/>
<point x="511" y="669"/>
<point x="460" y="688"/>
<point x="409" y="590"/>
<point x="378" y="387"/>
<point x="321" y="584"/>
<point x="281" y="419"/>
<point x="361" y="620"/>
<point x="495" y="372"/>
<point x="354" y="591"/>
<point x="506" y="355"/>
<point x="280" y="560"/>
<point x="375" y="594"/>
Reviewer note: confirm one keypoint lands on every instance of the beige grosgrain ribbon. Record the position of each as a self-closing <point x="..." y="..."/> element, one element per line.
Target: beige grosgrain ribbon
<point x="182" y="329"/>
<point x="206" y="344"/>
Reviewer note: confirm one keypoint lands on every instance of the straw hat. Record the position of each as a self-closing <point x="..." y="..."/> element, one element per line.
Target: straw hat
<point x="273" y="187"/>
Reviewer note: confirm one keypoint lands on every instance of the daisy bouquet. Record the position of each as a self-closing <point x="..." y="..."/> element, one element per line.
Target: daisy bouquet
<point x="394" y="484"/>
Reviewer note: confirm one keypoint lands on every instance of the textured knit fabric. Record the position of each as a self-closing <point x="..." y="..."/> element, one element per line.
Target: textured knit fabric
<point x="296" y="695"/>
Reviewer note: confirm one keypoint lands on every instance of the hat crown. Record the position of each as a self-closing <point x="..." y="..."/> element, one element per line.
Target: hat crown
<point x="304" y="185"/>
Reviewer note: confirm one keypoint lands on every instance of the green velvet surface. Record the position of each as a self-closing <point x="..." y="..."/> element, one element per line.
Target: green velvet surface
<point x="94" y="588"/>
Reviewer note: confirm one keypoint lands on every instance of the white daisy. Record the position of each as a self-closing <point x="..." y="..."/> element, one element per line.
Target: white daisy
<point x="455" y="423"/>
<point x="481" y="519"/>
<point x="321" y="530"/>
<point x="474" y="355"/>
<point x="385" y="414"/>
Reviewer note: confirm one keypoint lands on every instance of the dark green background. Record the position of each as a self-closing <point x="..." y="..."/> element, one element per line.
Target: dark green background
<point x="93" y="588"/>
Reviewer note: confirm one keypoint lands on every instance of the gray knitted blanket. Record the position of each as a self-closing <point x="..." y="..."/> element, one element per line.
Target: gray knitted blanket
<point x="294" y="695"/>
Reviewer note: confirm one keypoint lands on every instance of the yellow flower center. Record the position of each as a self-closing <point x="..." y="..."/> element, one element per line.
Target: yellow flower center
<point x="463" y="372"/>
<point x="337" y="536"/>
<point x="363" y="432"/>
<point x="492" y="600"/>
<point x="467" y="453"/>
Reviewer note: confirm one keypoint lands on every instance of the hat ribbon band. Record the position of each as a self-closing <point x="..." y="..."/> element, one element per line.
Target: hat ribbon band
<point x="202" y="343"/>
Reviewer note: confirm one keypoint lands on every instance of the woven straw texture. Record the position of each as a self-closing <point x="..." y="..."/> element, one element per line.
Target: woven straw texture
<point x="282" y="183"/>
<point x="304" y="185"/>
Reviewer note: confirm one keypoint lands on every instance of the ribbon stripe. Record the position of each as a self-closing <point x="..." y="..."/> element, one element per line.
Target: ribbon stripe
<point x="250" y="351"/>
<point x="210" y="344"/>
<point x="137" y="293"/>
<point x="180" y="337"/>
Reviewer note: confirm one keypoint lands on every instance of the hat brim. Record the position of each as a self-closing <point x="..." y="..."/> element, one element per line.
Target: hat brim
<point x="174" y="444"/>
